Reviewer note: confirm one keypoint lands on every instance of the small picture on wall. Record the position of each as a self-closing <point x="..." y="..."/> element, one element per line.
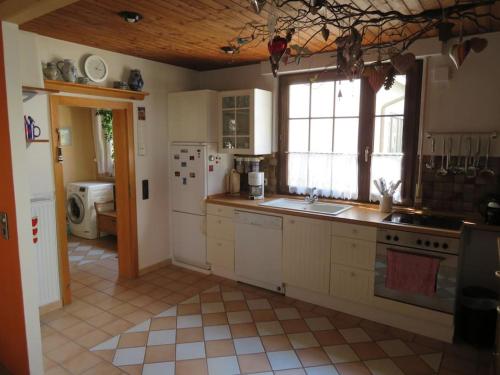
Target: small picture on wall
<point x="141" y="113"/>
<point x="65" y="136"/>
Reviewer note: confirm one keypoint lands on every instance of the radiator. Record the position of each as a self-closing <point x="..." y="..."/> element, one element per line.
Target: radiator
<point x="45" y="247"/>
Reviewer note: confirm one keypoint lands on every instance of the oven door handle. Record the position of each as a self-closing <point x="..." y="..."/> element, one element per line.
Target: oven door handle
<point x="422" y="254"/>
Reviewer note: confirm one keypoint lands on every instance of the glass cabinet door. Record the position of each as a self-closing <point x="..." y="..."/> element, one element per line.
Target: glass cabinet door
<point x="236" y="122"/>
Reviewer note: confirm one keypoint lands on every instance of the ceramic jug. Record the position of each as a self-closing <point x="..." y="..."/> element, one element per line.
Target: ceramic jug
<point x="68" y="70"/>
<point x="135" y="81"/>
<point x="50" y="71"/>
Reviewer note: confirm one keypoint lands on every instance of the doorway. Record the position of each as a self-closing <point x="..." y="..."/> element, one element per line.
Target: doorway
<point x="123" y="206"/>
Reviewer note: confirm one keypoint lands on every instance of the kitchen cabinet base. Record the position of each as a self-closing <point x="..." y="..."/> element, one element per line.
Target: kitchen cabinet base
<point x="424" y="322"/>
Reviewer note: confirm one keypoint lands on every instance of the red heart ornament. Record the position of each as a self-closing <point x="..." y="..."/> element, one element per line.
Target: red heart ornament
<point x="277" y="46"/>
<point x="403" y="63"/>
<point x="478" y="44"/>
<point x="376" y="77"/>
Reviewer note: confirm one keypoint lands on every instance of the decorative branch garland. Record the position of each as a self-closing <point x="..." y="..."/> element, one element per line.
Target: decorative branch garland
<point x="391" y="33"/>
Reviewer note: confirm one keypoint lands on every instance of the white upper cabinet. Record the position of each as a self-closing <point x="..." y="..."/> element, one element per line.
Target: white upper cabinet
<point x="192" y="116"/>
<point x="245" y="122"/>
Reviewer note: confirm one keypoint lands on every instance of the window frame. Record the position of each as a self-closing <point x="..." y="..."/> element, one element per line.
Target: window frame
<point x="365" y="130"/>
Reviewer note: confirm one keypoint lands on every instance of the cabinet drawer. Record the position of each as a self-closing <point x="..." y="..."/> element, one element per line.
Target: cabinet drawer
<point x="220" y="227"/>
<point x="218" y="210"/>
<point x="355" y="231"/>
<point x="220" y="253"/>
<point x="354" y="253"/>
<point x="351" y="283"/>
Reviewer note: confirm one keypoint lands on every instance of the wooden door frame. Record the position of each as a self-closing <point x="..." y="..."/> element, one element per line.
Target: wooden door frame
<point x="123" y="139"/>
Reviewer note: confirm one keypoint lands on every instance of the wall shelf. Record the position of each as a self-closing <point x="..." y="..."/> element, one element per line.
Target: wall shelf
<point x="30" y="91"/>
<point x="29" y="143"/>
<point x="78" y="88"/>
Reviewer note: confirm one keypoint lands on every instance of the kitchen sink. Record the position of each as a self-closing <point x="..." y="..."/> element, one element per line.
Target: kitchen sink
<point x="298" y="205"/>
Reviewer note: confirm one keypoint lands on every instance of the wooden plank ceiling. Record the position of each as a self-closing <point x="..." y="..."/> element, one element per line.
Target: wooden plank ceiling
<point x="188" y="33"/>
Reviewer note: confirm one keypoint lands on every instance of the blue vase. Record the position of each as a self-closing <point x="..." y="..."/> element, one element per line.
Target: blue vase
<point x="135" y="81"/>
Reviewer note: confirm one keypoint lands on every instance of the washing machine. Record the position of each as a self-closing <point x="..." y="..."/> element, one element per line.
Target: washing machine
<point x="80" y="206"/>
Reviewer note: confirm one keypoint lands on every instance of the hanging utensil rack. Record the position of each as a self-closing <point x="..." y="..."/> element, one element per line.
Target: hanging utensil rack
<point x="430" y="135"/>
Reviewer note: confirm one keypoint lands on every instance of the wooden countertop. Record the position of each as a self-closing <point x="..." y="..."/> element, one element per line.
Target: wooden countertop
<point x="364" y="214"/>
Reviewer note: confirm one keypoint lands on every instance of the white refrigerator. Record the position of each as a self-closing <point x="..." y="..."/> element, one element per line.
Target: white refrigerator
<point x="197" y="171"/>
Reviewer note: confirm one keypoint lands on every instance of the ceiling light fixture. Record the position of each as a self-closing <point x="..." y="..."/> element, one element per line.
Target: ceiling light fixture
<point x="130" y="17"/>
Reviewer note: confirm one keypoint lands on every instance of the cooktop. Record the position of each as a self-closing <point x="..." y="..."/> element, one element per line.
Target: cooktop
<point x="420" y="220"/>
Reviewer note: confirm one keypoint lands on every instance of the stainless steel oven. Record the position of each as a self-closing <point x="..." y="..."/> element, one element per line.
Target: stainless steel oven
<point x="445" y="249"/>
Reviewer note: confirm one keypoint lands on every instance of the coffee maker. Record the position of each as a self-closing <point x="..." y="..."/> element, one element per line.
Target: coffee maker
<point x="255" y="185"/>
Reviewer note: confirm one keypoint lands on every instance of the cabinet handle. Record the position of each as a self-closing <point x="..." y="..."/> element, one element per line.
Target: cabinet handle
<point x="219" y="221"/>
<point x="355" y="231"/>
<point x="353" y="245"/>
<point x="219" y="244"/>
<point x="292" y="221"/>
<point x="353" y="274"/>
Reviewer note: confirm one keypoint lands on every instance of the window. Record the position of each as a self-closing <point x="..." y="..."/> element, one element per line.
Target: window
<point x="338" y="135"/>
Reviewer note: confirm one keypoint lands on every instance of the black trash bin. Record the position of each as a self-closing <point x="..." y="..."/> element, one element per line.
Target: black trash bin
<point x="478" y="316"/>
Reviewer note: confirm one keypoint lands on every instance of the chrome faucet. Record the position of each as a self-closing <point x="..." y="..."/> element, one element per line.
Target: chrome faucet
<point x="312" y="196"/>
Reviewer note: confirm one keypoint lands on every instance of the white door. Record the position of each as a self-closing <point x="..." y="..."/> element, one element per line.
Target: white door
<point x="188" y="176"/>
<point x="189" y="239"/>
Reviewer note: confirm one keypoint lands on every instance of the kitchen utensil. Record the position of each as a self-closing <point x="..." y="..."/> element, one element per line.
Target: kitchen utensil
<point x="458" y="169"/>
<point x="442" y="170"/>
<point x="50" y="71"/>
<point x="486" y="171"/>
<point x="385" y="203"/>
<point x="68" y="70"/>
<point x="233" y="182"/>
<point x="431" y="163"/>
<point x="470" y="171"/>
<point x="448" y="155"/>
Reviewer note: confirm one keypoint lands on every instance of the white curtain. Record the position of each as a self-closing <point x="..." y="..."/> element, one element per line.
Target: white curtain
<point x="387" y="166"/>
<point x="103" y="149"/>
<point x="334" y="175"/>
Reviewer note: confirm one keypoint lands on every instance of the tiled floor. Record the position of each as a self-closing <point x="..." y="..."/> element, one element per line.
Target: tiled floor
<point x="175" y="321"/>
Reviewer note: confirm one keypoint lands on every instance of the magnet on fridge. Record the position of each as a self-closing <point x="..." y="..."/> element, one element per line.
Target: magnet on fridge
<point x="192" y="174"/>
<point x="177" y="157"/>
<point x="184" y="151"/>
<point x="183" y="164"/>
<point x="177" y="174"/>
<point x="210" y="168"/>
<point x="184" y="180"/>
<point x="191" y="157"/>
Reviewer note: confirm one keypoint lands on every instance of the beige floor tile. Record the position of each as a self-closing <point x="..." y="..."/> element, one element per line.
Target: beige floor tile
<point x="263" y="315"/>
<point x="158" y="324"/>
<point x="219" y="348"/>
<point x="235" y="306"/>
<point x="312" y="357"/>
<point x="65" y="352"/>
<point x="81" y="362"/>
<point x="101" y="319"/>
<point x="132" y="370"/>
<point x="46" y="330"/>
<point x="331" y="337"/>
<point x="294" y="326"/>
<point x="103" y="368"/>
<point x="185" y="335"/>
<point x="123" y="309"/>
<point x="368" y="350"/>
<point x="93" y="338"/>
<point x="57" y="370"/>
<point x="141" y="300"/>
<point x="63" y="323"/>
<point x="356" y="368"/>
<point x="189" y="309"/>
<point x="253" y="363"/>
<point x="132" y="340"/>
<point x="215" y="319"/>
<point x="53" y="341"/>
<point x="156" y="307"/>
<point x="191" y="367"/>
<point x="78" y="330"/>
<point x="243" y="330"/>
<point x="160" y="353"/>
<point x="413" y="365"/>
<point x="116" y="327"/>
<point x="138" y="316"/>
<point x="107" y="355"/>
<point x="276" y="343"/>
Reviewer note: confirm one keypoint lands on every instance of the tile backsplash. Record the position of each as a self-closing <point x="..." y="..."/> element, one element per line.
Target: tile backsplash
<point x="456" y="192"/>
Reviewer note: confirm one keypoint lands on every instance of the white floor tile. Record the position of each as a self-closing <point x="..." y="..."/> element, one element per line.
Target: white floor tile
<point x="319" y="324"/>
<point x="95" y="252"/>
<point x="395" y="348"/>
<point x="217" y="332"/>
<point x="287" y="313"/>
<point x="75" y="258"/>
<point x="223" y="366"/>
<point x="163" y="368"/>
<point x="110" y="344"/>
<point x="163" y="337"/>
<point x="383" y="367"/>
<point x="191" y="350"/>
<point x="322" y="370"/>
<point x="212" y="307"/>
<point x="269" y="328"/>
<point x="238" y="317"/>
<point x="258" y="304"/>
<point x="189" y="321"/>
<point x="283" y="360"/>
<point x="141" y="327"/>
<point x="303" y="340"/>
<point x="170" y="312"/>
<point x="232" y="296"/>
<point x="433" y="360"/>
<point x="341" y="353"/>
<point x="248" y="345"/>
<point x="353" y="335"/>
<point x="129" y="356"/>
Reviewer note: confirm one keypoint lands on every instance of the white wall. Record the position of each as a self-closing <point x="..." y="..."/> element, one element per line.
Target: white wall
<point x="159" y="79"/>
<point x="22" y="193"/>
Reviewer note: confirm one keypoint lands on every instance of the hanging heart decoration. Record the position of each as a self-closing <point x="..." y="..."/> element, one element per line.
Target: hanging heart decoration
<point x="325" y="33"/>
<point x="478" y="44"/>
<point x="276" y="47"/>
<point x="349" y="54"/>
<point x="376" y="77"/>
<point x="257" y="5"/>
<point x="458" y="53"/>
<point x="404" y="62"/>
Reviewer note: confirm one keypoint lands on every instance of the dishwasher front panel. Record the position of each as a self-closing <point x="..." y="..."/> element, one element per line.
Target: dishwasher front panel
<point x="258" y="250"/>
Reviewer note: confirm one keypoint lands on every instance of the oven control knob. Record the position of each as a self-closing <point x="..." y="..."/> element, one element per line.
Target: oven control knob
<point x="419" y="242"/>
<point x="427" y="243"/>
<point x="436" y="244"/>
<point x="388" y="237"/>
<point x="445" y="245"/>
<point x="396" y="238"/>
